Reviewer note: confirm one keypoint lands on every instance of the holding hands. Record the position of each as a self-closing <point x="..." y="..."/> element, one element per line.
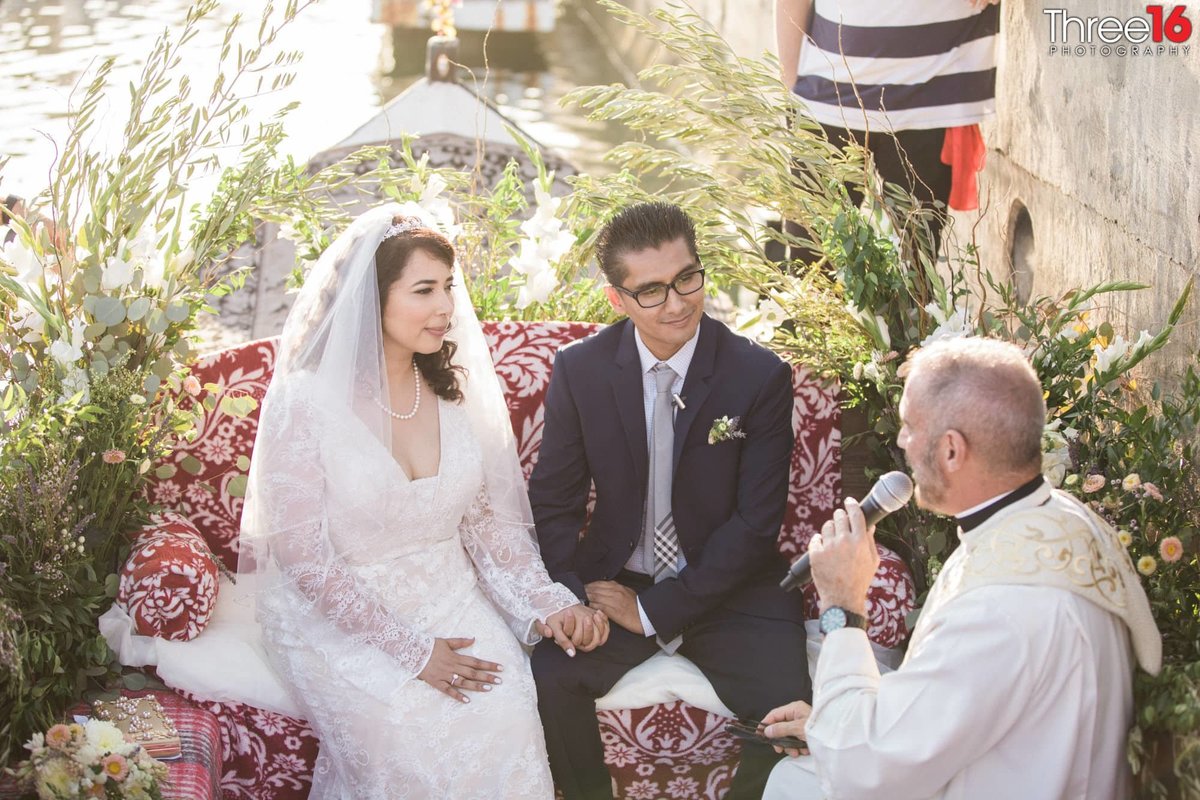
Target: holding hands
<point x="453" y="673"/>
<point x="576" y="627"/>
<point x="619" y="603"/>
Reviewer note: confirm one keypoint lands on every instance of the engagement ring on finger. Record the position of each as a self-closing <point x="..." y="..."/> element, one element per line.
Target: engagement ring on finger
<point x="455" y="678"/>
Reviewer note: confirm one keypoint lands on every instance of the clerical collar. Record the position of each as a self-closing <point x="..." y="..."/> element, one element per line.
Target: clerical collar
<point x="974" y="519"/>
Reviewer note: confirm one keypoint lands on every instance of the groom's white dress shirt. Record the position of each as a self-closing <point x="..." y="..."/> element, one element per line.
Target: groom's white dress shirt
<point x="679" y="364"/>
<point x="1007" y="691"/>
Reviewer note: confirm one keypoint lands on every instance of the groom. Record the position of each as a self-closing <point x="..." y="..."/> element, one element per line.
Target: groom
<point x="685" y="428"/>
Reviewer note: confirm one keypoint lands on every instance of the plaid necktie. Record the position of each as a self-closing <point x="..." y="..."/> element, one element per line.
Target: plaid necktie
<point x="662" y="438"/>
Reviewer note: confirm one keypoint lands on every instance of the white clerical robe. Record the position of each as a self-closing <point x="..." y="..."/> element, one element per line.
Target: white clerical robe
<point x="1007" y="691"/>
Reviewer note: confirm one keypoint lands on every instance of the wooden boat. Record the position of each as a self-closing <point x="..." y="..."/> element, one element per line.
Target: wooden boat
<point x="454" y="126"/>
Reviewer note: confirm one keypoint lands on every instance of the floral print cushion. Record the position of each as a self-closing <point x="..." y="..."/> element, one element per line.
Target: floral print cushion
<point x="670" y="750"/>
<point x="169" y="582"/>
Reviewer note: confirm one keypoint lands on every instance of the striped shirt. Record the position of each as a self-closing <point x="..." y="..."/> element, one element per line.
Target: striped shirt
<point x="916" y="64"/>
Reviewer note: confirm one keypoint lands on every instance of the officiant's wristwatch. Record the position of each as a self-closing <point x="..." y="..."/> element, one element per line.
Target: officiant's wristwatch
<point x="835" y="617"/>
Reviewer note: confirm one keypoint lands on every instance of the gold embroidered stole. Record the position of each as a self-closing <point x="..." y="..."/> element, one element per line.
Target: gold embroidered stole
<point x="1051" y="539"/>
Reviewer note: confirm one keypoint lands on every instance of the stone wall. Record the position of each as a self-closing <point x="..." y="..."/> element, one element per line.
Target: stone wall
<point x="1102" y="153"/>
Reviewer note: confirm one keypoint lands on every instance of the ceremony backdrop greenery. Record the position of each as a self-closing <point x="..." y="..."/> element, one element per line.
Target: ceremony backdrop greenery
<point x="101" y="308"/>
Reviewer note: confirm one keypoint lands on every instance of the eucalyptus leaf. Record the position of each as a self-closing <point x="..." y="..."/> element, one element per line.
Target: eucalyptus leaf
<point x="178" y="312"/>
<point x="156" y="322"/>
<point x="237" y="486"/>
<point x="134" y="681"/>
<point x="138" y="308"/>
<point x="109" y="310"/>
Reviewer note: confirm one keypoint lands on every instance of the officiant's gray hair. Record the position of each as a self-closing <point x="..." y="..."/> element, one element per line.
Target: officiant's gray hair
<point x="986" y="390"/>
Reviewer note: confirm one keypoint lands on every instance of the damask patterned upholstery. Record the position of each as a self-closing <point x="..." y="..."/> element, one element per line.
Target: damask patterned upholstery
<point x="670" y="750"/>
<point x="169" y="582"/>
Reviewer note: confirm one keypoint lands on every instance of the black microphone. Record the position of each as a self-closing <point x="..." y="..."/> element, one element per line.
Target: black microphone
<point x="890" y="493"/>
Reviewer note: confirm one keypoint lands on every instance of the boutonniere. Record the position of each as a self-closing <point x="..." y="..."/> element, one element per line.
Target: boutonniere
<point x="724" y="428"/>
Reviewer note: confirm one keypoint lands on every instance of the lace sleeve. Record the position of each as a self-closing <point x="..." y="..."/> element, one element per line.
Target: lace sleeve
<point x="294" y="517"/>
<point x="511" y="570"/>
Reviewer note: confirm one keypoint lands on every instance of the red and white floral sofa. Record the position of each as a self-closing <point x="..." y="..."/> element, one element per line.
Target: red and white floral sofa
<point x="669" y="750"/>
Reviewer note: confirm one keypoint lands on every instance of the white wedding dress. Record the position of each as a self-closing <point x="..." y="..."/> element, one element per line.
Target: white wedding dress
<point x="391" y="564"/>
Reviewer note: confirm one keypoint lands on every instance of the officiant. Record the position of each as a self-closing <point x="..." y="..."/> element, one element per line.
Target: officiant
<point x="1018" y="678"/>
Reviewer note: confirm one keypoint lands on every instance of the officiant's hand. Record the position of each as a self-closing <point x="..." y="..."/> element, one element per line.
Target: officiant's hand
<point x="453" y="673"/>
<point x="576" y="627"/>
<point x="789" y="720"/>
<point x="844" y="559"/>
<point x="619" y="603"/>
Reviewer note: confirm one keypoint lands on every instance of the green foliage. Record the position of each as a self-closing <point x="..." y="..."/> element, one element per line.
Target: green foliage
<point x="50" y="593"/>
<point x="99" y="307"/>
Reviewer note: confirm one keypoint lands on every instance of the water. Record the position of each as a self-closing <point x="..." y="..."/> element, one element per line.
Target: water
<point x="345" y="76"/>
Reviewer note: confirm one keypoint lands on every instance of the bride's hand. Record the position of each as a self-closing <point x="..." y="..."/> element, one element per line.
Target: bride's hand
<point x="452" y="672"/>
<point x="576" y="626"/>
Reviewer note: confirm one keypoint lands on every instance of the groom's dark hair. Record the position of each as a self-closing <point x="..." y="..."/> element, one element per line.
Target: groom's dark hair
<point x="641" y="227"/>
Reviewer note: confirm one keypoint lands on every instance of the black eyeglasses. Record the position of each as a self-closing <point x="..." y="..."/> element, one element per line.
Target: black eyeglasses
<point x="656" y="294"/>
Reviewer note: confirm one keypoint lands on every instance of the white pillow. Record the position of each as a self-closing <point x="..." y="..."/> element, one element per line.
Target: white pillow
<point x="225" y="663"/>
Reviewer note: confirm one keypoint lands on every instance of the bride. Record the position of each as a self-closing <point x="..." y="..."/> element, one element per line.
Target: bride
<point x="387" y="514"/>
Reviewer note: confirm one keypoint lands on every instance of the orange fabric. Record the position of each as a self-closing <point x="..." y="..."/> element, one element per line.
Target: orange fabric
<point x="964" y="151"/>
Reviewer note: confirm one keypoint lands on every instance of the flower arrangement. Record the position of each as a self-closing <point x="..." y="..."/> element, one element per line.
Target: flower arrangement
<point x="90" y="760"/>
<point x="100" y="308"/>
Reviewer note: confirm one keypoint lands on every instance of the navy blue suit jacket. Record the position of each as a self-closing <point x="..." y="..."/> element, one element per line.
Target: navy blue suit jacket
<point x="728" y="498"/>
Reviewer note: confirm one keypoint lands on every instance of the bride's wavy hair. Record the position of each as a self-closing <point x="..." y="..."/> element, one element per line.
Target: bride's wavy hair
<point x="391" y="258"/>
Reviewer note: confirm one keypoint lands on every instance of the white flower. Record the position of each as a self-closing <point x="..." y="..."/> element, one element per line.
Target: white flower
<point x="1069" y="333"/>
<point x="28" y="319"/>
<point x="749" y="324"/>
<point x="289" y="232"/>
<point x="1056" y="453"/>
<point x="537" y="288"/>
<point x="142" y="248"/>
<point x="1143" y="340"/>
<point x="875" y="324"/>
<point x="543" y="223"/>
<point x="437" y="207"/>
<point x="529" y="260"/>
<point x="117" y="274"/>
<point x="955" y="326"/>
<point x="74" y="382"/>
<point x="771" y="312"/>
<point x="870" y="370"/>
<point x="1107" y="356"/>
<point x="103" y="735"/>
<point x="69" y="349"/>
<point x="935" y="311"/>
<point x="885" y="335"/>
<point x="20" y="258"/>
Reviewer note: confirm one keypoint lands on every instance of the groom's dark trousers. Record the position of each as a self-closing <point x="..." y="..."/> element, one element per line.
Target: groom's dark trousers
<point x="728" y="500"/>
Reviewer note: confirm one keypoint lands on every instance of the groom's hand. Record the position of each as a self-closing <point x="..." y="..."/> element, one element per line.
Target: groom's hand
<point x="619" y="603"/>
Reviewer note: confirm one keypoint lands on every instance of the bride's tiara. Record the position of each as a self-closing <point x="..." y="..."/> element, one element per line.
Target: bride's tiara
<point x="405" y="225"/>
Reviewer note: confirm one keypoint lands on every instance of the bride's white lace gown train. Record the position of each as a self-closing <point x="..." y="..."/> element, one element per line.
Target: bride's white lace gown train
<point x="375" y="566"/>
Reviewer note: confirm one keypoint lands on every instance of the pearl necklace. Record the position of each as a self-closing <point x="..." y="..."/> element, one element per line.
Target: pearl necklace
<point x="416" y="399"/>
